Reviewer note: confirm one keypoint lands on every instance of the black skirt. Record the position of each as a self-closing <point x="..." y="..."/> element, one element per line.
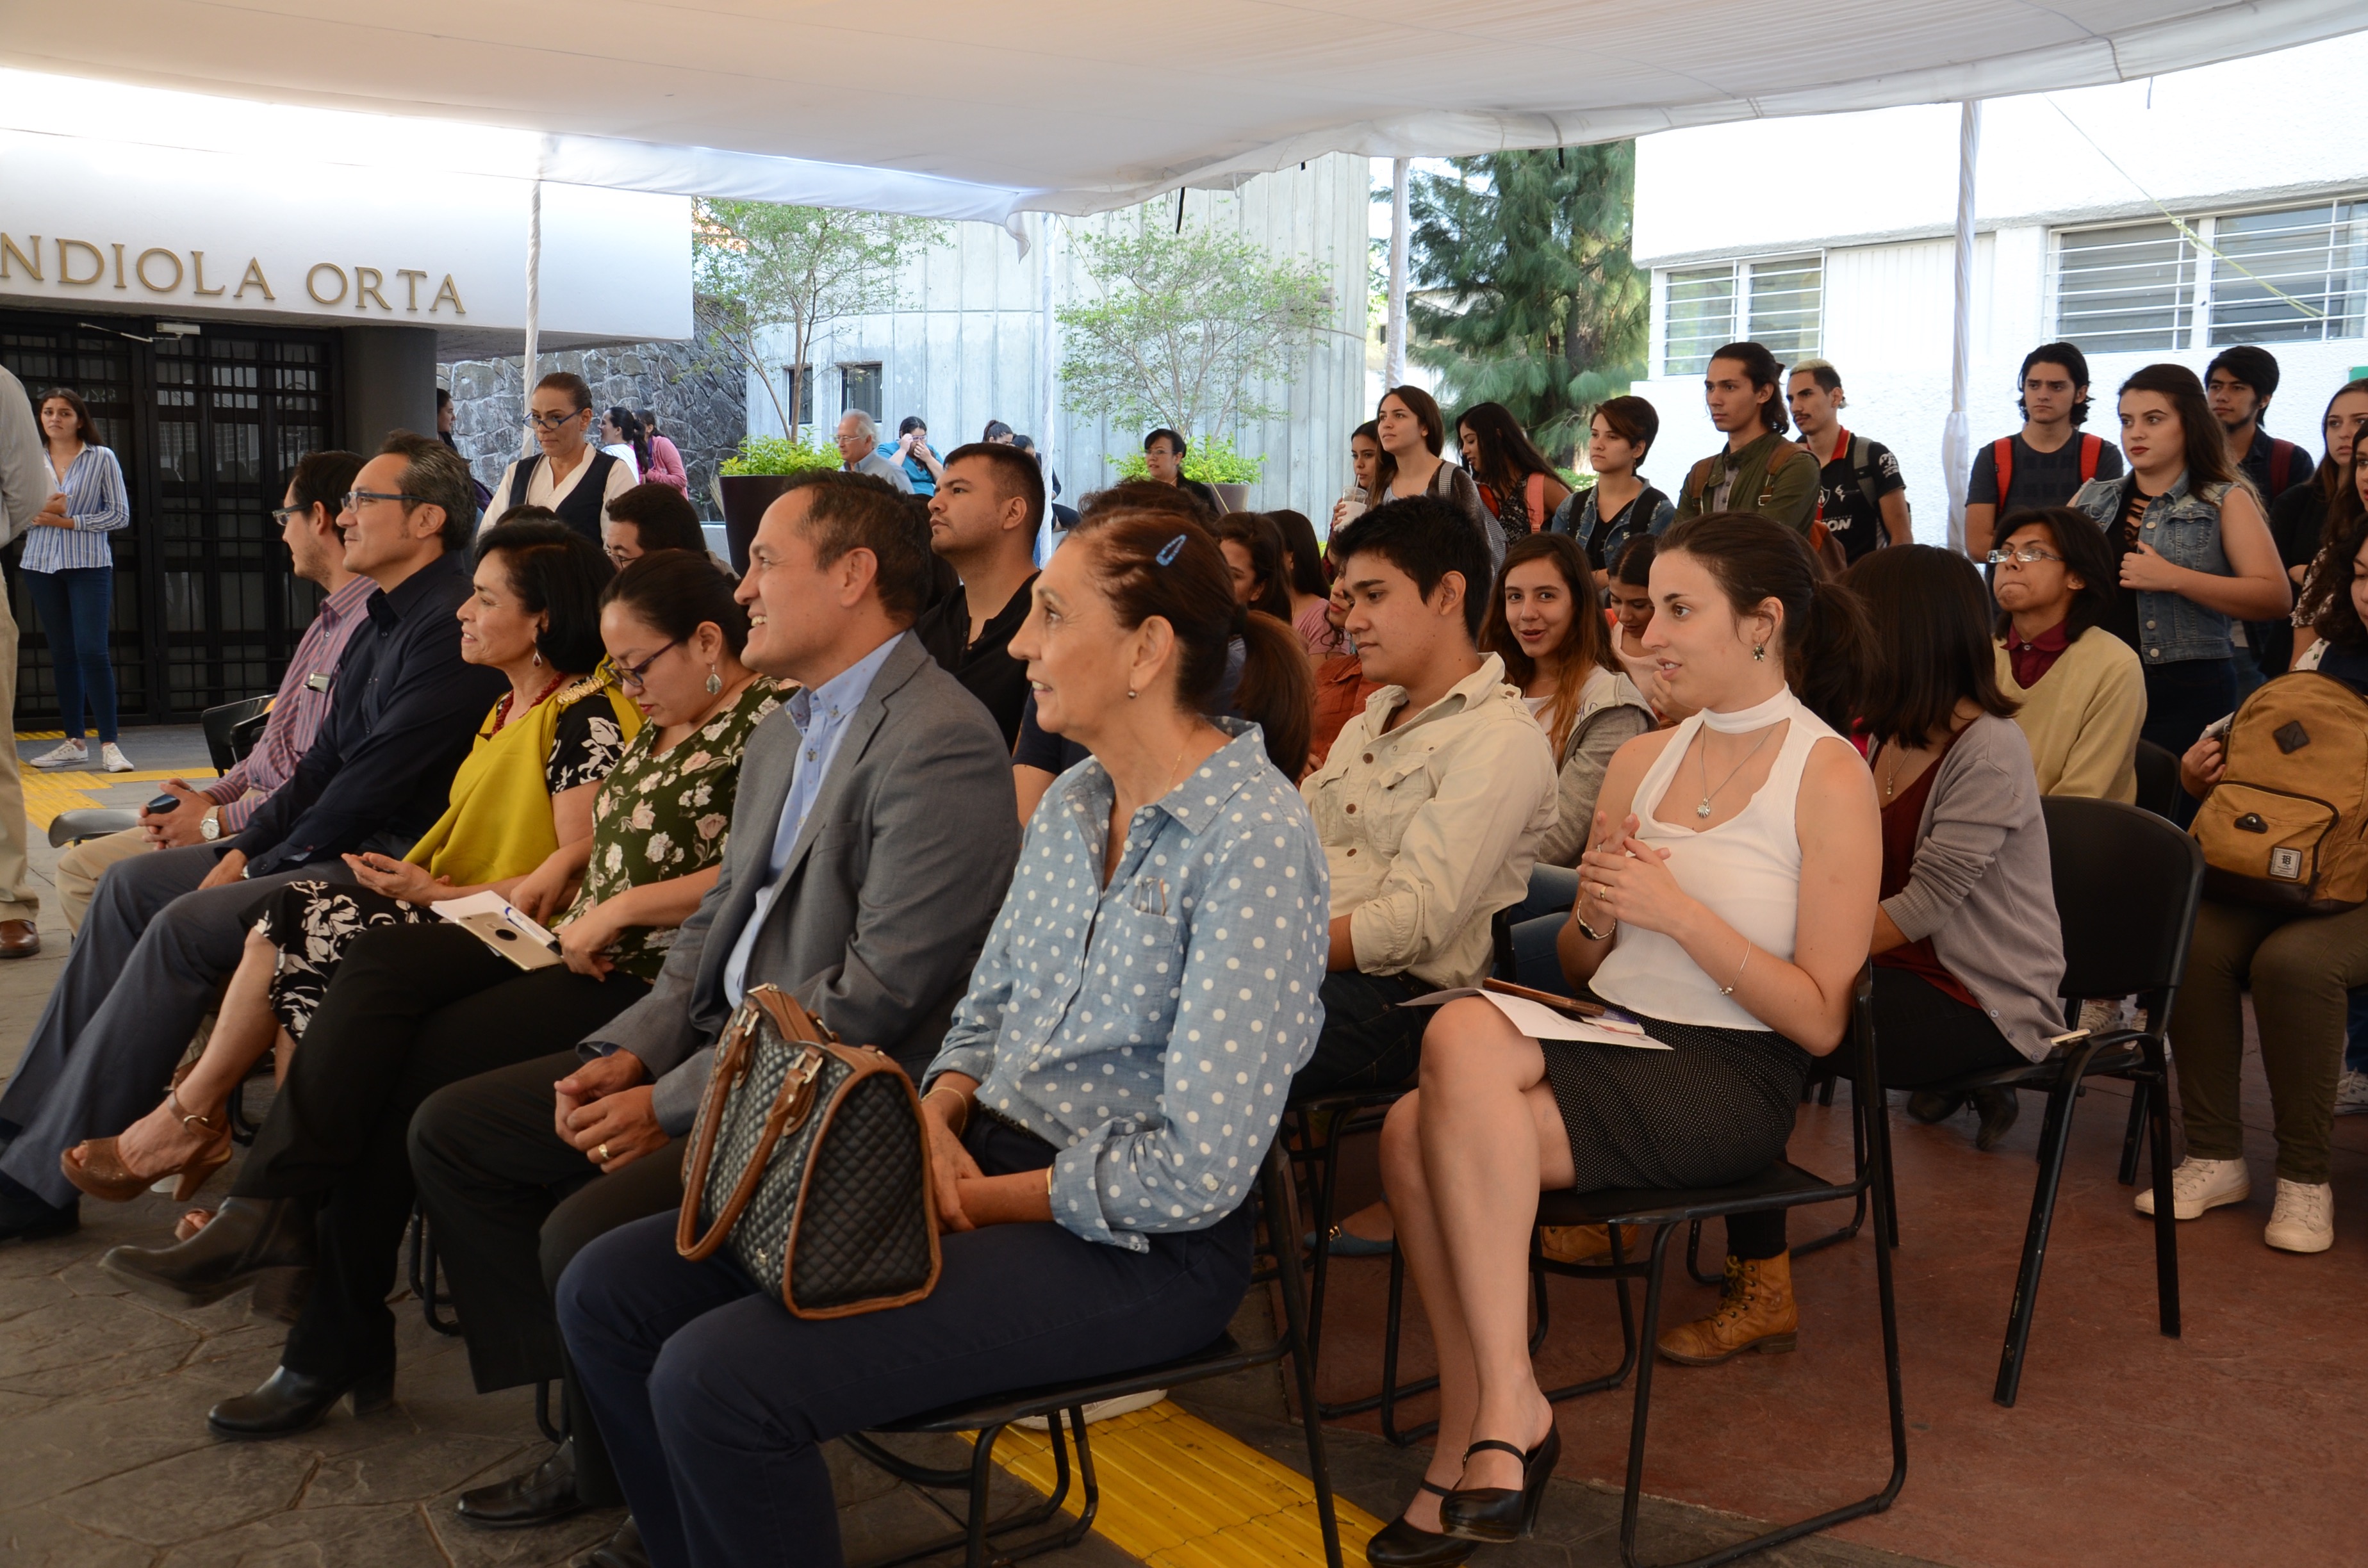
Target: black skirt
<point x="1714" y="1109"/>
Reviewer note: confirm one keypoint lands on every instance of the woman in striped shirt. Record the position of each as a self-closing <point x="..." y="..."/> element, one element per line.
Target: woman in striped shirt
<point x="70" y="571"/>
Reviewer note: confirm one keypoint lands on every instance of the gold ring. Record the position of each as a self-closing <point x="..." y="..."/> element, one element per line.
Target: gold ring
<point x="603" y="1152"/>
<point x="1603" y="895"/>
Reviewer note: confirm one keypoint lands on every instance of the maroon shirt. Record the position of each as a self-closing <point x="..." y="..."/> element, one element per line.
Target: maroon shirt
<point x="2033" y="659"/>
<point x="1901" y="817"/>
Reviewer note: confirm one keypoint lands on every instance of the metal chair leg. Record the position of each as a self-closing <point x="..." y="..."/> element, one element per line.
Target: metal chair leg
<point x="1282" y="1208"/>
<point x="2166" y="1222"/>
<point x="2055" y="1135"/>
<point x="2141" y="1098"/>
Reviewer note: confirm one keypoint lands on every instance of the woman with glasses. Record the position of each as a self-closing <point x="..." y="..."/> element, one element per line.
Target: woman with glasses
<point x="70" y="572"/>
<point x="569" y="476"/>
<point x="2081" y="699"/>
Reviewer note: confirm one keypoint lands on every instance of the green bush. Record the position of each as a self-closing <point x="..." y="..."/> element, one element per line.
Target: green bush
<point x="778" y="454"/>
<point x="1212" y="462"/>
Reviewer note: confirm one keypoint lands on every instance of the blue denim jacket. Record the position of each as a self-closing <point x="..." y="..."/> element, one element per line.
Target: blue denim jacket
<point x="1148" y="1030"/>
<point x="2184" y="528"/>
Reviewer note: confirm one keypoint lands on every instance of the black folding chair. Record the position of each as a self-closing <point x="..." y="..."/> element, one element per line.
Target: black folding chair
<point x="2127" y="883"/>
<point x="1780" y="1185"/>
<point x="232" y="728"/>
<point x="2159" y="786"/>
<point x="1063" y="1405"/>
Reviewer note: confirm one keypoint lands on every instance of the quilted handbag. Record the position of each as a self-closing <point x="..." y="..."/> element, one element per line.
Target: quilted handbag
<point x="809" y="1162"/>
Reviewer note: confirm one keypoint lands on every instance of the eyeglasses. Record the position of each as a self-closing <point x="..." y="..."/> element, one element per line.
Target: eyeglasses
<point x="352" y="500"/>
<point x="630" y="675"/>
<point x="553" y="421"/>
<point x="2022" y="554"/>
<point x="619" y="555"/>
<point x="281" y="514"/>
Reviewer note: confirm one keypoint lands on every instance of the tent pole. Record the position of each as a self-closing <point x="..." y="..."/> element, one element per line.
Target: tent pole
<point x="1393" y="370"/>
<point x="533" y="297"/>
<point x="1956" y="439"/>
<point x="1044" y="362"/>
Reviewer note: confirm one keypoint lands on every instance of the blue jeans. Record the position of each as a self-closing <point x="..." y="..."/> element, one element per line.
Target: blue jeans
<point x="73" y="606"/>
<point x="1538" y="920"/>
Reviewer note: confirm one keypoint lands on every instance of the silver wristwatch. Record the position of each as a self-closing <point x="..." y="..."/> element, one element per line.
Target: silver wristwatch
<point x="209" y="829"/>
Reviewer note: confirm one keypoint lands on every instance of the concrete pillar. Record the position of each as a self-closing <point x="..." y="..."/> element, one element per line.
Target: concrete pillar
<point x="390" y="384"/>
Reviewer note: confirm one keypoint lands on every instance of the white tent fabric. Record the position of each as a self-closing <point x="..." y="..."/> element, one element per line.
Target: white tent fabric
<point x="963" y="110"/>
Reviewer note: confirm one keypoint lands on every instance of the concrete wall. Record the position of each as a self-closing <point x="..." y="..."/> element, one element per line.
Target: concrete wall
<point x="964" y="346"/>
<point x="389" y="382"/>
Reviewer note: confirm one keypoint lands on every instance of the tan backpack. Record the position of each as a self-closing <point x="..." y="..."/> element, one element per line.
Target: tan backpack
<point x="2287" y="826"/>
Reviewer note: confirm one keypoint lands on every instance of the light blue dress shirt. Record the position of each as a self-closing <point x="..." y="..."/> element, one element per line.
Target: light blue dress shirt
<point x="821" y="716"/>
<point x="1148" y="1030"/>
<point x="98" y="505"/>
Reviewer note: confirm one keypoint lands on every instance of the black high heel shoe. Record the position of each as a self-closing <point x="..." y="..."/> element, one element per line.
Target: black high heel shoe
<point x="1500" y="1514"/>
<point x="1401" y="1545"/>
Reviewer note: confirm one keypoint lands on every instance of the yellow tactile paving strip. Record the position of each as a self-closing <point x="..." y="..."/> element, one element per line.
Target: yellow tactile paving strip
<point x="1178" y="1493"/>
<point x="48" y="792"/>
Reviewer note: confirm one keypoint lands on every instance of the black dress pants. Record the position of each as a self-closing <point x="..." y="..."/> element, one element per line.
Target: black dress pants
<point x="511" y="1206"/>
<point x="413" y="1008"/>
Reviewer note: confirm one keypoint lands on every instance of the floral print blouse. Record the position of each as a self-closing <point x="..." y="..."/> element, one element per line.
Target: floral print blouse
<point x="662" y="815"/>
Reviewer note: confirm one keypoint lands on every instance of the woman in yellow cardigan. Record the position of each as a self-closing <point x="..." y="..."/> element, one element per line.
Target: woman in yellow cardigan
<point x="2081" y="692"/>
<point x="520" y="824"/>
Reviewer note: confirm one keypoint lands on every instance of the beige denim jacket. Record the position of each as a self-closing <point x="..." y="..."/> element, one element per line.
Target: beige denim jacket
<point x="1431" y="829"/>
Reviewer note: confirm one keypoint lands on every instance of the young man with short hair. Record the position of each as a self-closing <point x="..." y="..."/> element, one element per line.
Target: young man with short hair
<point x="2048" y="459"/>
<point x="654" y="515"/>
<point x="982" y="522"/>
<point x="569" y="474"/>
<point x="1760" y="471"/>
<point x="1864" y="501"/>
<point x="2240" y="383"/>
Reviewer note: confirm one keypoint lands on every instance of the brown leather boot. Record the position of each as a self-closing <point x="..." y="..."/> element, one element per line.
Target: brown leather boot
<point x="1589" y="1244"/>
<point x="1758" y="1312"/>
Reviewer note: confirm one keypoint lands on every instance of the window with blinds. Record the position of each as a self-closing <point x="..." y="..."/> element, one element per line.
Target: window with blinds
<point x="1787" y="306"/>
<point x="2295" y="275"/>
<point x="1778" y="304"/>
<point x="2129" y="289"/>
<point x="1701" y="317"/>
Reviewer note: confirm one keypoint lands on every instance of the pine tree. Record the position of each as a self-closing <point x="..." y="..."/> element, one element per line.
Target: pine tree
<point x="1534" y="302"/>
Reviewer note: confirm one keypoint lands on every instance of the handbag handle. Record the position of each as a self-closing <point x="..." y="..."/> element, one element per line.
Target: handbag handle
<point x="792" y="1102"/>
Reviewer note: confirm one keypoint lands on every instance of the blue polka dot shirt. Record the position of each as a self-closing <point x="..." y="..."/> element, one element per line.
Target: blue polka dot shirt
<point x="1148" y="1030"/>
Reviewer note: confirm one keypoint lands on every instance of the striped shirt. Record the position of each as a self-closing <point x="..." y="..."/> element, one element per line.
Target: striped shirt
<point x="296" y="709"/>
<point x="97" y="503"/>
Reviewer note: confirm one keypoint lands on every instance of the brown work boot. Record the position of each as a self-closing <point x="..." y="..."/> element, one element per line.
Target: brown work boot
<point x="1758" y="1312"/>
<point x="1591" y="1244"/>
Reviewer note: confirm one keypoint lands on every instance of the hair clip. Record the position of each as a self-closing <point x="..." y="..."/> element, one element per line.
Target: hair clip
<point x="1170" y="551"/>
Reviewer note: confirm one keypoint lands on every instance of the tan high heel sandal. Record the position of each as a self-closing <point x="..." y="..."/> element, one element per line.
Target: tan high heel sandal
<point x="97" y="1167"/>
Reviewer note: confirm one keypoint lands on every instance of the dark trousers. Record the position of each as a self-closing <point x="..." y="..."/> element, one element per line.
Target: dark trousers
<point x="413" y="1008"/>
<point x="2180" y="700"/>
<point x="74" y="607"/>
<point x="511" y="1206"/>
<point x="1369" y="1041"/>
<point x="1922" y="1035"/>
<point x="716" y="1401"/>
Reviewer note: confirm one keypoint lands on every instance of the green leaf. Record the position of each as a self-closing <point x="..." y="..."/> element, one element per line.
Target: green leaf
<point x="772" y="454"/>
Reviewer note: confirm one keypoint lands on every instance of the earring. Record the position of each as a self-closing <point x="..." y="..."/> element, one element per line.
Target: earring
<point x="714" y="681"/>
<point x="537" y="658"/>
<point x="1130" y="694"/>
<point x="1759" y="651"/>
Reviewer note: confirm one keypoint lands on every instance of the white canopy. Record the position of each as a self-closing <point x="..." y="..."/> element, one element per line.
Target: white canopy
<point x="961" y="110"/>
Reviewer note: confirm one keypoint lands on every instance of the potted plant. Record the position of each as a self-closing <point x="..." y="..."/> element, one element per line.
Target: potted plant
<point x="752" y="479"/>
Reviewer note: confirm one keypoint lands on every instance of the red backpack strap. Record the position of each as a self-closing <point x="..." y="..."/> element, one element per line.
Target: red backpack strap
<point x="2002" y="459"/>
<point x="2092" y="451"/>
<point x="2281" y="461"/>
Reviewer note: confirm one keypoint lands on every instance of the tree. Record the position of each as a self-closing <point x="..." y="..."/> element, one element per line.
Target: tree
<point x="1185" y="324"/>
<point x="759" y="265"/>
<point x="1536" y="304"/>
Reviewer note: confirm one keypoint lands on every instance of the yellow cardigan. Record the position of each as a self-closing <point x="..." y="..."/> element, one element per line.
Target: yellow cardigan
<point x="498" y="825"/>
<point x="2082" y="719"/>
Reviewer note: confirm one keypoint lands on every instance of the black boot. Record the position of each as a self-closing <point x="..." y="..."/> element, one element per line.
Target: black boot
<point x="531" y="1497"/>
<point x="290" y="1402"/>
<point x="25" y="1216"/>
<point x="249" y="1239"/>
<point x="1997" y="1108"/>
<point x="624" y="1549"/>
<point x="1930" y="1105"/>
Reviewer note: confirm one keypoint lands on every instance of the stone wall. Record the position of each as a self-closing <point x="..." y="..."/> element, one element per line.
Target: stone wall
<point x="699" y="398"/>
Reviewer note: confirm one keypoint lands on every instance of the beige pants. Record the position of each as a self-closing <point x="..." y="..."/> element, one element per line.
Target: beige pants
<point x="80" y="868"/>
<point x="18" y="899"/>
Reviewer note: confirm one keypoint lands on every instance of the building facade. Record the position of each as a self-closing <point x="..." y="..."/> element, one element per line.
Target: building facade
<point x="967" y="342"/>
<point x="2161" y="220"/>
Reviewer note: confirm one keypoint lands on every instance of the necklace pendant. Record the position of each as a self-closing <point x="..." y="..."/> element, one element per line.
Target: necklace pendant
<point x="1703" y="809"/>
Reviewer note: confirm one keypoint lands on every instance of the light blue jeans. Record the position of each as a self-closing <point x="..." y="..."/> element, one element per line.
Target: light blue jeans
<point x="1537" y="919"/>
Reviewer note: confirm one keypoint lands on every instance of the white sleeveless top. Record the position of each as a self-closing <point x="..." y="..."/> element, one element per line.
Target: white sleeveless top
<point x="1747" y="871"/>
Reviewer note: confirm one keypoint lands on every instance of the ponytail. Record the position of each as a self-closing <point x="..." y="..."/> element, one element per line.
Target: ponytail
<point x="1277" y="691"/>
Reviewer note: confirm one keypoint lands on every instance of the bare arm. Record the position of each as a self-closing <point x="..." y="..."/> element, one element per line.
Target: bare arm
<point x="1894" y="507"/>
<point x="1029" y="784"/>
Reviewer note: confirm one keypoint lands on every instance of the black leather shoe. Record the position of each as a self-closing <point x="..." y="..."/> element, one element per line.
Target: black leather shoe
<point x="290" y="1402"/>
<point x="1401" y="1545"/>
<point x="1502" y="1513"/>
<point x="250" y="1238"/>
<point x="1997" y="1108"/>
<point x="531" y="1497"/>
<point x="27" y="1217"/>
<point x="624" y="1549"/>
<point x="1929" y="1105"/>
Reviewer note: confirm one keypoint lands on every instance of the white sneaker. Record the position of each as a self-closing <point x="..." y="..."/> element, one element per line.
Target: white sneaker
<point x="1102" y="1410"/>
<point x="111" y="759"/>
<point x="71" y="754"/>
<point x="2352" y="1093"/>
<point x="2303" y="1219"/>
<point x="2198" y="1184"/>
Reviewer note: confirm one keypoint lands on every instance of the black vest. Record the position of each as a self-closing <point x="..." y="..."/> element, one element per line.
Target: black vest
<point x="581" y="508"/>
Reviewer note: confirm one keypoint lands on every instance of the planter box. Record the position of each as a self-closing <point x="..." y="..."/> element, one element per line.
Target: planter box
<point x="1233" y="498"/>
<point x="745" y="497"/>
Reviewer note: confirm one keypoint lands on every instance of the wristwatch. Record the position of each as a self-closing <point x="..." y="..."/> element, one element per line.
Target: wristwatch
<point x="210" y="826"/>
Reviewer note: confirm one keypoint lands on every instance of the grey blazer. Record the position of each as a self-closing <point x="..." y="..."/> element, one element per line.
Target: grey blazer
<point x="900" y="869"/>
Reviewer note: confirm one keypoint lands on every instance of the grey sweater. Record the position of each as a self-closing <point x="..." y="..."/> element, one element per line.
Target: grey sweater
<point x="1981" y="887"/>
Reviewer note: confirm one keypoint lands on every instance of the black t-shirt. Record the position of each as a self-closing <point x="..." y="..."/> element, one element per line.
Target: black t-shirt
<point x="2260" y="467"/>
<point x="2296" y="519"/>
<point x="1851" y="514"/>
<point x="2040" y="479"/>
<point x="986" y="668"/>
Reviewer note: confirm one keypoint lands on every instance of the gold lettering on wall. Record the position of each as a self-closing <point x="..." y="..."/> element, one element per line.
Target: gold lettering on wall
<point x="254" y="279"/>
<point x="97" y="262"/>
<point x="313" y="285"/>
<point x="197" y="275"/>
<point x="411" y="276"/>
<point x="118" y="266"/>
<point x="140" y="268"/>
<point x="367" y="280"/>
<point x="448" y="292"/>
<point x="31" y="263"/>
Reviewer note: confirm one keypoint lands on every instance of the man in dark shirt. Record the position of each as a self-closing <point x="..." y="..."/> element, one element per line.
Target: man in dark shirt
<point x="2240" y="382"/>
<point x="165" y="928"/>
<point x="2046" y="460"/>
<point x="982" y="522"/>
<point x="1864" y="501"/>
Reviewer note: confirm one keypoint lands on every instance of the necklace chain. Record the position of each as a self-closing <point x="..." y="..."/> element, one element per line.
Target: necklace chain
<point x="1703" y="756"/>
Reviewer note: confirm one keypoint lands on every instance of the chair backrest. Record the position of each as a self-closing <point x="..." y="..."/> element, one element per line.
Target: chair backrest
<point x="2127" y="883"/>
<point x="221" y="720"/>
<point x="2158" y="779"/>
